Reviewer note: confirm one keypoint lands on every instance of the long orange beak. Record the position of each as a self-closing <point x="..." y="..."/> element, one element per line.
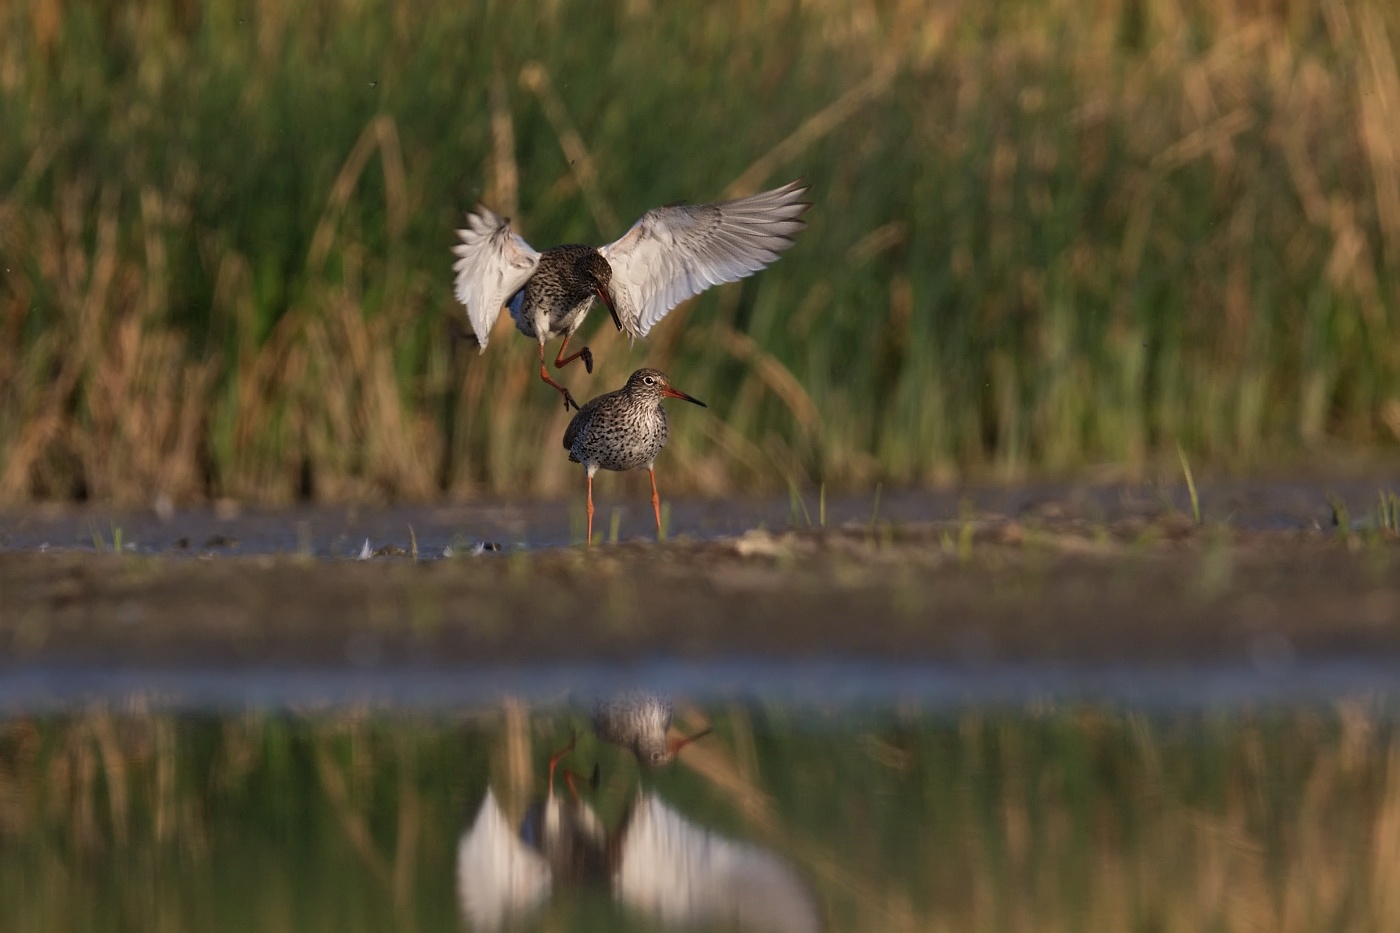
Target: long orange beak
<point x="676" y="393"/>
<point x="606" y="299"/>
<point x="680" y="742"/>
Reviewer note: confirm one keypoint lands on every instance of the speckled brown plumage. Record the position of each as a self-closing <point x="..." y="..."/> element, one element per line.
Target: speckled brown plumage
<point x="638" y="720"/>
<point x="623" y="430"/>
<point x="555" y="299"/>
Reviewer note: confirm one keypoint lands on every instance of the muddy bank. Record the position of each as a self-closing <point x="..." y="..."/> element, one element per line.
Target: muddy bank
<point x="624" y="506"/>
<point x="1134" y="590"/>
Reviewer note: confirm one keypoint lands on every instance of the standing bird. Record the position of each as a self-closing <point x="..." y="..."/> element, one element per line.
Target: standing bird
<point x="670" y="254"/>
<point x="623" y="430"/>
<point x="638" y="721"/>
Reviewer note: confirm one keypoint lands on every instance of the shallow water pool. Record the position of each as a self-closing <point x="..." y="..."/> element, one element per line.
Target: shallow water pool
<point x="1048" y="815"/>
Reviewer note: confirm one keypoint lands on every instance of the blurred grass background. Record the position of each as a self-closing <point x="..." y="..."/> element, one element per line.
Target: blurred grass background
<point x="1053" y="819"/>
<point x="1047" y="235"/>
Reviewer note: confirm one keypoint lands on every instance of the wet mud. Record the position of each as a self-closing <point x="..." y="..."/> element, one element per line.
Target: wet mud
<point x="1043" y="585"/>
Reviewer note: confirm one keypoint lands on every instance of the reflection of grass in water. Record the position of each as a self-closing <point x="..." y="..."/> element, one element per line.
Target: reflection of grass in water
<point x="1387" y="515"/>
<point x="1047" y="235"/>
<point x="1190" y="484"/>
<point x="99" y="541"/>
<point x="797" y="506"/>
<point x="1047" y="820"/>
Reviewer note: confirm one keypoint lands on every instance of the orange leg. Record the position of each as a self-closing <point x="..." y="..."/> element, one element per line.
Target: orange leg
<point x="555" y="758"/>
<point x="590" y="510"/>
<point x="655" y="502"/>
<point x="570" y="778"/>
<point x="560" y="360"/>
<point x="544" y="374"/>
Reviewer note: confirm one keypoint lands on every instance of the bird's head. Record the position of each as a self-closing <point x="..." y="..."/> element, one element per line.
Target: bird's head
<point x="596" y="271"/>
<point x="653" y="382"/>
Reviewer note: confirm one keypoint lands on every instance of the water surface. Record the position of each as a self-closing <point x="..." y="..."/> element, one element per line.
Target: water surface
<point x="1048" y="816"/>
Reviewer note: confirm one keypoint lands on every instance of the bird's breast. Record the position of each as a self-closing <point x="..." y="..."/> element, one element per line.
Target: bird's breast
<point x="627" y="438"/>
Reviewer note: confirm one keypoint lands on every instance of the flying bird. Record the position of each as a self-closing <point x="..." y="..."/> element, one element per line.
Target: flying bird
<point x="670" y="254"/>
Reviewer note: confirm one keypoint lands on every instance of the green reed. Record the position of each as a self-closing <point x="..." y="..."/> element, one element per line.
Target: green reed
<point x="1045" y="235"/>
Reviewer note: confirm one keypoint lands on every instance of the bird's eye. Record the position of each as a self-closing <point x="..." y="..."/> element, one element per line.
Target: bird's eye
<point x="649" y="380"/>
<point x="656" y="756"/>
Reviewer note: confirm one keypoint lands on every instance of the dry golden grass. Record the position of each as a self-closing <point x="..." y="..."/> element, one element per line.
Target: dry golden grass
<point x="1047" y="235"/>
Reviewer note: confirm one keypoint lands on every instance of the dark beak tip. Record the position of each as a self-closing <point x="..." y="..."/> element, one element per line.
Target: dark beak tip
<point x="676" y="744"/>
<point x="606" y="299"/>
<point x="676" y="393"/>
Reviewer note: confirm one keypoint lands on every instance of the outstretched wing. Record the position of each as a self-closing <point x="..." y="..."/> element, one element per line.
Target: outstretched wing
<point x="678" y="251"/>
<point x="494" y="262"/>
<point x="498" y="876"/>
<point x="681" y="874"/>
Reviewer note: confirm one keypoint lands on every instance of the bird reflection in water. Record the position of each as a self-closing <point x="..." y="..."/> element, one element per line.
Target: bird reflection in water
<point x="639" y="720"/>
<point x="656" y="862"/>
